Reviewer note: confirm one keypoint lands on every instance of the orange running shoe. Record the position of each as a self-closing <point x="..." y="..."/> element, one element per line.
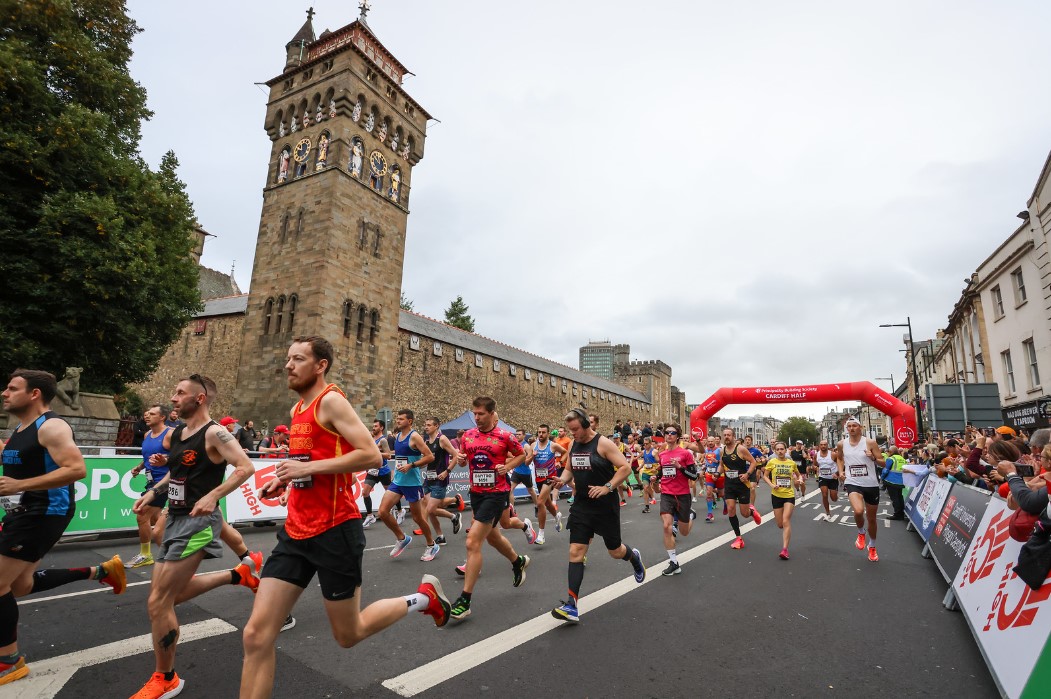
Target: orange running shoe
<point x="873" y="556"/>
<point x="738" y="543"/>
<point x="9" y="672"/>
<point x="160" y="688"/>
<point x="248" y="579"/>
<point x="859" y="543"/>
<point x="438" y="607"/>
<point x="114" y="575"/>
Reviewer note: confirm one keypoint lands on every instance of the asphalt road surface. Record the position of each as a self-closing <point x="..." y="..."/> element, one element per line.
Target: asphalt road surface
<point x="734" y="623"/>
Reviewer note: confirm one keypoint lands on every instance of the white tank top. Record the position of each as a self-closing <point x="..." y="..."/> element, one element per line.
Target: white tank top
<point x="858" y="464"/>
<point x="826" y="466"/>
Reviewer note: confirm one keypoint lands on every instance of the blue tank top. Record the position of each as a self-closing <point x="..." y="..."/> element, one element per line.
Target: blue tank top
<point x="543" y="457"/>
<point x="154" y="445"/>
<point x="649" y="456"/>
<point x="24" y="457"/>
<point x="523" y="469"/>
<point x="404" y="450"/>
<point x="385" y="468"/>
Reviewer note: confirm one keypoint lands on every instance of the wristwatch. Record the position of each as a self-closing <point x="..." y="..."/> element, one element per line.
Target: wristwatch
<point x="610" y="486"/>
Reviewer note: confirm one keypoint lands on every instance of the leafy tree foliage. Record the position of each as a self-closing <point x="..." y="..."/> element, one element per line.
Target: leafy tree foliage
<point x="407" y="304"/>
<point x="96" y="270"/>
<point x="456" y="315"/>
<point x="796" y="428"/>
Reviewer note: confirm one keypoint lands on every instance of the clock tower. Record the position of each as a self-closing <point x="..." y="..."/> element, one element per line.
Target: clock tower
<point x="344" y="136"/>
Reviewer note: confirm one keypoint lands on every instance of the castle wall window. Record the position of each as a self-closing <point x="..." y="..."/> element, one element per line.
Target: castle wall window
<point x="347" y="319"/>
<point x="280" y="313"/>
<point x="268" y="312"/>
<point x="299" y="223"/>
<point x="284" y="227"/>
<point x="361" y="323"/>
<point x="374" y="326"/>
<point x="293" y="301"/>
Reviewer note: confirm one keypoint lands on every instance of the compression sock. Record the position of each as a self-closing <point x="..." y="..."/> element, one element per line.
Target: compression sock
<point x="466" y="595"/>
<point x="672" y="557"/>
<point x="736" y="525"/>
<point x="576" y="578"/>
<point x="54" y="577"/>
<point x="169" y="676"/>
<point x="144" y="548"/>
<point x="711" y="506"/>
<point x="368" y="503"/>
<point x="8" y="621"/>
<point x="417" y="600"/>
<point x="871" y="541"/>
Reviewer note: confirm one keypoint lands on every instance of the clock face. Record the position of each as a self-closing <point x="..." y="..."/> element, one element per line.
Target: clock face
<point x="302" y="150"/>
<point x="378" y="163"/>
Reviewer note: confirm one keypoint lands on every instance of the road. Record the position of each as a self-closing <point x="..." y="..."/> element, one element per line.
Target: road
<point x="735" y="623"/>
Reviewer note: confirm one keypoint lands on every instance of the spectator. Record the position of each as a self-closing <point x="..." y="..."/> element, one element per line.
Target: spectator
<point x="647" y="430"/>
<point x="1030" y="500"/>
<point x="230" y="424"/>
<point x="277" y="443"/>
<point x="892" y="478"/>
<point x="249" y="428"/>
<point x="173" y="418"/>
<point x="625" y="430"/>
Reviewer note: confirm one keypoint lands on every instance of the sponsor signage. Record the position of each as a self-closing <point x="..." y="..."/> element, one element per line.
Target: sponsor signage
<point x="1032" y="415"/>
<point x="925" y="504"/>
<point x="956" y="527"/>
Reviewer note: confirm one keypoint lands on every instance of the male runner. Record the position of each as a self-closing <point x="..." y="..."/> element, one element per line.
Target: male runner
<point x="798" y="455"/>
<point x="779" y="474"/>
<point x="411" y="454"/>
<point x="322" y="534"/>
<point x="622" y="488"/>
<point x="827" y="476"/>
<point x="649" y="472"/>
<point x="490" y="452"/>
<point x="156" y="441"/>
<point x="376" y="475"/>
<point x="194" y="484"/>
<point x="436" y="481"/>
<point x="760" y="462"/>
<point x="736" y="467"/>
<point x="522" y="473"/>
<point x="857" y="458"/>
<point x="677" y="470"/>
<point x="714" y="481"/>
<point x="598" y="467"/>
<point x="545" y="465"/>
<point x="40" y="464"/>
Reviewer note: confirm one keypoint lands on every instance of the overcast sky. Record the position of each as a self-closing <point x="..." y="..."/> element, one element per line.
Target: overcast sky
<point x="743" y="190"/>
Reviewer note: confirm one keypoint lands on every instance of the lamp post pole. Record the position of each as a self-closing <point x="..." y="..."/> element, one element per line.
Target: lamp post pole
<point x="912" y="367"/>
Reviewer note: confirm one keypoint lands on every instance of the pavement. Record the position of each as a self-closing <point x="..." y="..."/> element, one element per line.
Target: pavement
<point x="734" y="623"/>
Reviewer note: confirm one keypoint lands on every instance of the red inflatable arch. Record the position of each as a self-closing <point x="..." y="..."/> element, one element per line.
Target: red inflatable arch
<point x="903" y="415"/>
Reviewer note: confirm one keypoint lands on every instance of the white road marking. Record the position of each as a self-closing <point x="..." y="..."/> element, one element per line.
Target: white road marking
<point x="47" y="677"/>
<point x="458" y="662"/>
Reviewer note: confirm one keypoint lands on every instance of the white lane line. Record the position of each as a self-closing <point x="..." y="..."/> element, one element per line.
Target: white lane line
<point x="105" y="588"/>
<point x="47" y="677"/>
<point x="458" y="662"/>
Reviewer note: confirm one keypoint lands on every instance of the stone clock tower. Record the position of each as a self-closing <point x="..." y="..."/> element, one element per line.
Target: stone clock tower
<point x="345" y="136"/>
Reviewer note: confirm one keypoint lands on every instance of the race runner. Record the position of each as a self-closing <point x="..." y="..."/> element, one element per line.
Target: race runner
<point x="780" y="474"/>
<point x="737" y="467"/>
<point x="857" y="457"/>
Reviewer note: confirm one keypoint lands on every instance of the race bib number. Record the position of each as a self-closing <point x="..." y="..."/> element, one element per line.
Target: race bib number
<point x="431" y="474"/>
<point x="732" y="474"/>
<point x="581" y="462"/>
<point x="783" y="482"/>
<point x="713" y="469"/>
<point x="827" y="472"/>
<point x="400" y="462"/>
<point x="487" y="478"/>
<point x="541" y="472"/>
<point x="177" y="491"/>
<point x="11" y="502"/>
<point x="668" y="472"/>
<point x="373" y="472"/>
<point x="859" y="471"/>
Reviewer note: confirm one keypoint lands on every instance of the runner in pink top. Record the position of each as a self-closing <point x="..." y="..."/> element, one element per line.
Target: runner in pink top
<point x="677" y="469"/>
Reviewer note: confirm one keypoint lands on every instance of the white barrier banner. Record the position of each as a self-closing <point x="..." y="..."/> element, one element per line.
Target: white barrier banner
<point x="1011" y="622"/>
<point x="243" y="505"/>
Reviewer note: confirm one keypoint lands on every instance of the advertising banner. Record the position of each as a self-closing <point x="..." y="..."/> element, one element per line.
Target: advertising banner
<point x="1010" y="621"/>
<point x="925" y="504"/>
<point x="106" y="495"/>
<point x="956" y="527"/>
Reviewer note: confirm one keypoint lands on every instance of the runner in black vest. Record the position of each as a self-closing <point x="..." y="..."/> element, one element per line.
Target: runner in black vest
<point x="40" y="464"/>
<point x="598" y="468"/>
<point x="737" y="467"/>
<point x="436" y="481"/>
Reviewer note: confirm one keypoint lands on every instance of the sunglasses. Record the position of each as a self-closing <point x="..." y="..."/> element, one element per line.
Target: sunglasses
<point x="671" y="432"/>
<point x="199" y="380"/>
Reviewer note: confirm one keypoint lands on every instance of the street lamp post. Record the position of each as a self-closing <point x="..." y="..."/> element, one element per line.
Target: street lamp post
<point x="887" y="378"/>
<point x="915" y="378"/>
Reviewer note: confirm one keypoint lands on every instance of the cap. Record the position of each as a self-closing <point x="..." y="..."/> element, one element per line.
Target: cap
<point x="227" y="421"/>
<point x="852" y="419"/>
<point x="1004" y="429"/>
<point x="1004" y="490"/>
<point x="799" y="441"/>
<point x="281" y="428"/>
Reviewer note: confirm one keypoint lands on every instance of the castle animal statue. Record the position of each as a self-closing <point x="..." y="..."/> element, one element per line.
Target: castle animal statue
<point x="69" y="387"/>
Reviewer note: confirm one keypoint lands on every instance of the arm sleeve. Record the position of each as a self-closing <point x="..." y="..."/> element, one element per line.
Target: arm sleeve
<point x="1032" y="501"/>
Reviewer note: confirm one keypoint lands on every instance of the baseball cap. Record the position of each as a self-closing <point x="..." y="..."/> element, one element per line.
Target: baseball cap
<point x="1004" y="429"/>
<point x="852" y="419"/>
<point x="281" y="428"/>
<point x="227" y="421"/>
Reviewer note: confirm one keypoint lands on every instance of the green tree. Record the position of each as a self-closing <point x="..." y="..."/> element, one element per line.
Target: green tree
<point x="456" y="315"/>
<point x="406" y="303"/>
<point x="796" y="428"/>
<point x="96" y="268"/>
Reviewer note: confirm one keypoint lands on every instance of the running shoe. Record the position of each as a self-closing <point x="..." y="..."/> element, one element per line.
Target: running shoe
<point x="693" y="513"/>
<point x="653" y="501"/>
<point x="638" y="565"/>
<point x="399" y="515"/>
<point x="724" y="508"/>
<point x="738" y="543"/>
<point x="254" y="561"/>
<point x="672" y="569"/>
<point x="629" y="492"/>
<point x="417" y="532"/>
<point x="709" y="519"/>
<point x="645" y="509"/>
<point x="530" y="533"/>
<point x="518" y="569"/>
<point x="783" y="555"/>
<point x="431" y="552"/>
<point x="160" y="688"/>
<point x="461" y="569"/>
<point x="461" y="608"/>
<point x="113" y="575"/>
<point x="438" y="608"/>
<point x="623" y="503"/>
<point x="290" y="622"/>
<point x="558" y="521"/>
<point x="456" y="523"/>
<point x="400" y="546"/>
<point x="873" y="556"/>
<point x="513" y="512"/>
<point x="247" y="578"/>
<point x="139" y="561"/>
<point x="756" y="516"/>
<point x="859" y="543"/>
<point x="370" y="519"/>
<point x="675" y="529"/>
<point x="540" y="540"/>
<point x="440" y="540"/>
<point x="460" y="504"/>
<point x="569" y="501"/>
<point x="9" y="672"/>
<point x="567" y="611"/>
<point x="695" y="499"/>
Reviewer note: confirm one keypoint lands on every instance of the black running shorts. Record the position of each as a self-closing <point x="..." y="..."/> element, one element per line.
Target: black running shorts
<point x="585" y="526"/>
<point x="334" y="555"/>
<point x="29" y="537"/>
<point x="525" y="479"/>
<point x="870" y="493"/>
<point x="830" y="483"/>
<point x="374" y="479"/>
<point x="487" y="508"/>
<point x="678" y="505"/>
<point x="736" y="490"/>
<point x="777" y="503"/>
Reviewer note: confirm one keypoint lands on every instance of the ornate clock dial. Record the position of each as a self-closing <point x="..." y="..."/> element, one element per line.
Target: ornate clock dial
<point x="302" y="150"/>
<point x="378" y="163"/>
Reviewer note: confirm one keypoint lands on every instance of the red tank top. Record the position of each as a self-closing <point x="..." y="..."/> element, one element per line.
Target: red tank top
<point x="328" y="500"/>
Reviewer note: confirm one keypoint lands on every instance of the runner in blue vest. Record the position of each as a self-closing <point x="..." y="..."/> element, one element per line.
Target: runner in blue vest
<point x="411" y="454"/>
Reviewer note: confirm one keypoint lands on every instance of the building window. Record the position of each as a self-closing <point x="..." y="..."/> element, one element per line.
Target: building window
<point x="347" y="321"/>
<point x="280" y="313"/>
<point x="268" y="312"/>
<point x="1030" y="360"/>
<point x="299" y="223"/>
<point x="374" y="326"/>
<point x="1019" y="286"/>
<point x="361" y="323"/>
<point x="293" y="301"/>
<point x="284" y="227"/>
<point x="1009" y="372"/>
<point x="998" y="302"/>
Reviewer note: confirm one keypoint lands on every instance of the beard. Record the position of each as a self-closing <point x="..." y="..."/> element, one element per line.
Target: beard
<point x="298" y="385"/>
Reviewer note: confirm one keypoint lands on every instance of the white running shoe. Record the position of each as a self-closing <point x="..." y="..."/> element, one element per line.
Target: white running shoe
<point x="399" y="515"/>
<point x="431" y="553"/>
<point x="139" y="561"/>
<point x="540" y="538"/>
<point x="400" y="546"/>
<point x="558" y="521"/>
<point x="370" y="519"/>
<point x="530" y="533"/>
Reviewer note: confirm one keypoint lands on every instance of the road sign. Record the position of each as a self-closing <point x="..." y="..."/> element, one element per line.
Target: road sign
<point x="952" y="406"/>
